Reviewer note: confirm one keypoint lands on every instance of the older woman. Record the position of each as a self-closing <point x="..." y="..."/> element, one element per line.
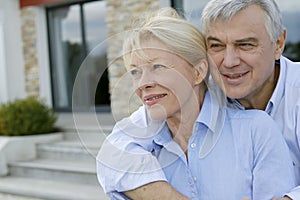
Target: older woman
<point x="184" y="135"/>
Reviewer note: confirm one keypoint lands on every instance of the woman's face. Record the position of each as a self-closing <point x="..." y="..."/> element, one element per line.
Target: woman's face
<point x="164" y="82"/>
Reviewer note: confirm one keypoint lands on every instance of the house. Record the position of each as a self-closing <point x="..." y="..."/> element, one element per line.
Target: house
<point x="68" y="52"/>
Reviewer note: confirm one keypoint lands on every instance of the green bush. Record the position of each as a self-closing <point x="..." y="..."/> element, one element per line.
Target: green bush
<point x="28" y="116"/>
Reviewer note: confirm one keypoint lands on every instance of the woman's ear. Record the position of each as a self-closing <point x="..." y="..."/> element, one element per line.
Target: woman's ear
<point x="201" y="70"/>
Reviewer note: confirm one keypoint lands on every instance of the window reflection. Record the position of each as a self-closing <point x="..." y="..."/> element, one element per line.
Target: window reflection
<point x="76" y="32"/>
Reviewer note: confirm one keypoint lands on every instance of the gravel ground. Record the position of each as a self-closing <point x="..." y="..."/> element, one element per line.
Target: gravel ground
<point x="14" y="197"/>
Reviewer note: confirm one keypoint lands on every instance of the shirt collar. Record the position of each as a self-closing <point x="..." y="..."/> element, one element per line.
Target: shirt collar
<point x="209" y="112"/>
<point x="212" y="115"/>
<point x="279" y="89"/>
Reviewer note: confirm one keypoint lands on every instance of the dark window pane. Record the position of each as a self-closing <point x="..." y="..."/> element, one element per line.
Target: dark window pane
<point x="95" y="29"/>
<point x="290" y="12"/>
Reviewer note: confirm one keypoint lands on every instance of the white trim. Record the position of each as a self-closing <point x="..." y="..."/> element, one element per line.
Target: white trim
<point x="3" y="78"/>
<point x="12" y="62"/>
<point x="43" y="55"/>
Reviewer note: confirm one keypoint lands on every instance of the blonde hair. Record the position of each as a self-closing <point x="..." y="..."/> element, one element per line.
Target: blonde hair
<point x="179" y="36"/>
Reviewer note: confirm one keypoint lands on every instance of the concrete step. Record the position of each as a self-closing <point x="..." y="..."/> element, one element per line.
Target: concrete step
<point x="94" y="139"/>
<point x="64" y="169"/>
<point x="50" y="190"/>
<point x="69" y="150"/>
<point x="56" y="170"/>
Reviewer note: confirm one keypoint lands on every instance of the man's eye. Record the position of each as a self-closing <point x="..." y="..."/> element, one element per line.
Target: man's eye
<point x="216" y="47"/>
<point x="246" y="46"/>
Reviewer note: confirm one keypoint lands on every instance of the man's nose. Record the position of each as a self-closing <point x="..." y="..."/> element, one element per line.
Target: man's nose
<point x="231" y="57"/>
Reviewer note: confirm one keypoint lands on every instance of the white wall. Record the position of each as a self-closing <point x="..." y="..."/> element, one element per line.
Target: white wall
<point x="12" y="72"/>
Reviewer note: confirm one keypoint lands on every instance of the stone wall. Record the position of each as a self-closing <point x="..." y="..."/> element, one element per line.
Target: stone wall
<point x="119" y="17"/>
<point x="29" y="34"/>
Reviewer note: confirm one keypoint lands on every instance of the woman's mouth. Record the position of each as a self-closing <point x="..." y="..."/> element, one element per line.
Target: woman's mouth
<point x="153" y="99"/>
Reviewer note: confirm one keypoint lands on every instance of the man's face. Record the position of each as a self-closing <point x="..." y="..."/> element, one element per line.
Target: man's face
<point x="242" y="54"/>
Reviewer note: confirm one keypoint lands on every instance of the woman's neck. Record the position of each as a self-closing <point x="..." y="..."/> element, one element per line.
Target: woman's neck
<point x="181" y="125"/>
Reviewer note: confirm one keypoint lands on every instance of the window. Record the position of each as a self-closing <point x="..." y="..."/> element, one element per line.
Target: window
<point x="76" y="32"/>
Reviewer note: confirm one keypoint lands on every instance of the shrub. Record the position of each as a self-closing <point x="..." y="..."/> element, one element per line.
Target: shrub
<point x="26" y="117"/>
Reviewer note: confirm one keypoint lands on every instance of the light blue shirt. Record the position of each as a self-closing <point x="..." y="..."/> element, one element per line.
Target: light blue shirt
<point x="284" y="108"/>
<point x="231" y="154"/>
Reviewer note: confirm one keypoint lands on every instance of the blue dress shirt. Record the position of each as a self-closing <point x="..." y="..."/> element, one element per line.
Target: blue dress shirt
<point x="231" y="154"/>
<point x="284" y="108"/>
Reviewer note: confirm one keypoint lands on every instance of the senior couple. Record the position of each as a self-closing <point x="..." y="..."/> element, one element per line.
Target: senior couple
<point x="234" y="135"/>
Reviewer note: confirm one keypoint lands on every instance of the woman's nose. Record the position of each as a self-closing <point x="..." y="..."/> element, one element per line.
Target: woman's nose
<point x="146" y="81"/>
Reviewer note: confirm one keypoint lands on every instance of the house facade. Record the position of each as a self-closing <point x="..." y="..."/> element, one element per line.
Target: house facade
<point x="69" y="52"/>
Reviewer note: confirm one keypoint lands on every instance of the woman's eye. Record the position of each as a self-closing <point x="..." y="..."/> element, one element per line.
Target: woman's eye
<point x="134" y="72"/>
<point x="157" y="66"/>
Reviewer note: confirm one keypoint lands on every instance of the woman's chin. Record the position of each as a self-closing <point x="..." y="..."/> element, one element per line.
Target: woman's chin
<point x="157" y="112"/>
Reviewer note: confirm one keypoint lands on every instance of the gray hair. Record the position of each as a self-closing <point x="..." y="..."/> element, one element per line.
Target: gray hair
<point x="226" y="9"/>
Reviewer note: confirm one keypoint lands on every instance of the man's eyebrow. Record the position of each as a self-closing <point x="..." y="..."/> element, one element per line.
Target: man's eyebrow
<point x="250" y="39"/>
<point x="210" y="38"/>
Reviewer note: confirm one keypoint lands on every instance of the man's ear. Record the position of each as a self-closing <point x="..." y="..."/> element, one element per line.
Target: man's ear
<point x="201" y="70"/>
<point x="280" y="43"/>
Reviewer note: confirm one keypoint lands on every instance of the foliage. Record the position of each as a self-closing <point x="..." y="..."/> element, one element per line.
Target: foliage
<point x="292" y="51"/>
<point x="28" y="116"/>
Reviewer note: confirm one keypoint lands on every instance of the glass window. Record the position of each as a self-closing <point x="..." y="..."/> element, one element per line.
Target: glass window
<point x="75" y="31"/>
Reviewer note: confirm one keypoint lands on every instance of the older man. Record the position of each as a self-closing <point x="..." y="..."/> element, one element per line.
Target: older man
<point x="245" y="41"/>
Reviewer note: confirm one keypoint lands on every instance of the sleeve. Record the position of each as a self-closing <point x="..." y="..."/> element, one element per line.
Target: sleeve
<point x="124" y="164"/>
<point x="273" y="173"/>
<point x="294" y="194"/>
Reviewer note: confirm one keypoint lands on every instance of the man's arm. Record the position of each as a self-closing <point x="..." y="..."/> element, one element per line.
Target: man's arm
<point x="159" y="190"/>
<point x="294" y="194"/>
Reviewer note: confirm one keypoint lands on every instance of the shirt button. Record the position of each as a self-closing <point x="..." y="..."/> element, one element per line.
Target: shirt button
<point x="193" y="145"/>
<point x="195" y="178"/>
